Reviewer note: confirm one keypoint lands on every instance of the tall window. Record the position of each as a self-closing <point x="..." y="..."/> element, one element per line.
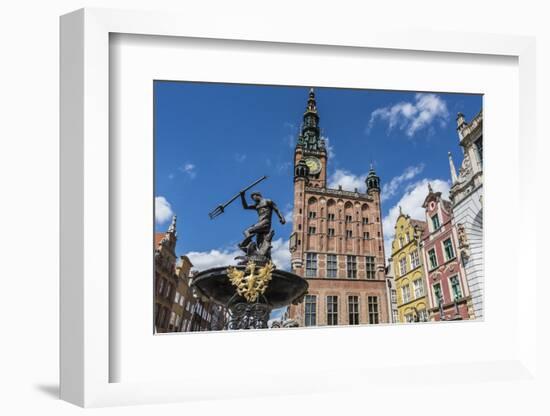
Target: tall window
<point x="406" y="292"/>
<point x="423" y="315"/>
<point x="353" y="309"/>
<point x="312" y="214"/>
<point x="407" y="238"/>
<point x="479" y="150"/>
<point x="366" y="235"/>
<point x="393" y="296"/>
<point x="332" y="310"/>
<point x="418" y="288"/>
<point x="438" y="295"/>
<point x="435" y="222"/>
<point x="395" y="315"/>
<point x="369" y="267"/>
<point x="455" y="287"/>
<point x="348" y="218"/>
<point x="401" y="241"/>
<point x="331" y="232"/>
<point x="448" y="248"/>
<point x="373" y="309"/>
<point x="332" y="265"/>
<point x="351" y="263"/>
<point x="310" y="315"/>
<point x="330" y="216"/>
<point x="311" y="230"/>
<point x="403" y="265"/>
<point x="415" y="259"/>
<point x="433" y="258"/>
<point x="311" y="265"/>
<point x="365" y="220"/>
<point x="349" y="234"/>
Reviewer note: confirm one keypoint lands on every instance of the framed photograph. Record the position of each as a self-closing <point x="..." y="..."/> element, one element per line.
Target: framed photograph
<point x="244" y="204"/>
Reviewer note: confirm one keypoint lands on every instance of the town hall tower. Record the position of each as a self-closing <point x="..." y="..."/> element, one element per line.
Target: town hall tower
<point x="337" y="242"/>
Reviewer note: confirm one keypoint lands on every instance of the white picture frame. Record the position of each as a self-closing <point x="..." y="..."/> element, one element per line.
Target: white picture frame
<point x="87" y="356"/>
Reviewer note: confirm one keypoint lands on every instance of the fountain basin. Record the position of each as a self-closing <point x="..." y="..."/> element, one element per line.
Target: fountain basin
<point x="285" y="288"/>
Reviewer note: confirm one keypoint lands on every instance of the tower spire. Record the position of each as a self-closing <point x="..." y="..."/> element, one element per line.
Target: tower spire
<point x="172" y="228"/>
<point x="454" y="178"/>
<point x="310" y="134"/>
<point x="372" y="180"/>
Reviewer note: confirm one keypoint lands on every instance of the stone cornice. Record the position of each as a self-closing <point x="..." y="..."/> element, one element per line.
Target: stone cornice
<point x="340" y="193"/>
<point x="472" y="129"/>
<point x="345" y="279"/>
<point x="460" y="187"/>
<point x="421" y="298"/>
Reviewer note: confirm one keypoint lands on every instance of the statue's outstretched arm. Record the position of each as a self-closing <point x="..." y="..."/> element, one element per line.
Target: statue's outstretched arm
<point x="276" y="209"/>
<point x="245" y="204"/>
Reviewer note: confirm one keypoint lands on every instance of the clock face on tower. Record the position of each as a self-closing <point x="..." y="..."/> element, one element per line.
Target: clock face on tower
<point x="314" y="165"/>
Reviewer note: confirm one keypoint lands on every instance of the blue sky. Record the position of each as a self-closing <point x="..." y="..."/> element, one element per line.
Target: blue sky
<point x="211" y="140"/>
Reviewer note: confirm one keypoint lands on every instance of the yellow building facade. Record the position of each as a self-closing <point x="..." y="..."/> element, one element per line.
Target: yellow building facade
<point x="406" y="259"/>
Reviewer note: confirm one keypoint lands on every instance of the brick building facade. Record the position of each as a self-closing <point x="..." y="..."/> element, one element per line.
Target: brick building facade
<point x="337" y="242"/>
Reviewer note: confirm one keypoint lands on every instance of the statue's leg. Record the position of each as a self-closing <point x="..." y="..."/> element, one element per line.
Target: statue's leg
<point x="248" y="235"/>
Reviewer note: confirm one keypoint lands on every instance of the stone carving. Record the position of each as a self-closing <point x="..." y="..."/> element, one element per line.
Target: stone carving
<point x="463" y="244"/>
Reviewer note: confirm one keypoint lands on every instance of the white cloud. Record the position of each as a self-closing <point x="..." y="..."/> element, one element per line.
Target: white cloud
<point x="348" y="180"/>
<point x="287" y="212"/>
<point x="390" y="188"/>
<point x="281" y="254"/>
<point x="288" y="216"/>
<point x="412" y="117"/>
<point x="290" y="138"/>
<point x="284" y="167"/>
<point x="330" y="149"/>
<point x="163" y="210"/>
<point x="203" y="260"/>
<point x="189" y="169"/>
<point x="240" y="158"/>
<point x="411" y="204"/>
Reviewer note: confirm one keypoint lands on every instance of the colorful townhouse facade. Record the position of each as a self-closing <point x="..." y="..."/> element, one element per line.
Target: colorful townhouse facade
<point x="176" y="308"/>
<point x="448" y="293"/>
<point x="408" y="271"/>
<point x="166" y="279"/>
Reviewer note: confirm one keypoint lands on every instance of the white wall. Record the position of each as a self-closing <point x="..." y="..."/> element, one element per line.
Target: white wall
<point x="29" y="172"/>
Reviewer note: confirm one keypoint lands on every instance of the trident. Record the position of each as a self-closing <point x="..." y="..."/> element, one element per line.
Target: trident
<point x="221" y="208"/>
